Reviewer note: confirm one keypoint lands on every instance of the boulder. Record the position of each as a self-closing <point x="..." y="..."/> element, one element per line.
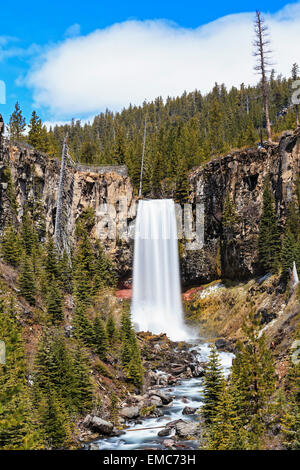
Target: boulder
<point x="188" y="410"/>
<point x="130" y="412"/>
<point x="221" y="343"/>
<point x="185" y="429"/>
<point x="172" y="424"/>
<point x="172" y="380"/>
<point x="155" y="400"/>
<point x="169" y="443"/>
<point x="153" y="377"/>
<point x="198" y="371"/>
<point x="177" y="369"/>
<point x="98" y="424"/>
<point x="93" y="446"/>
<point x="166" y="399"/>
<point x="162" y="379"/>
<point x="164" y="432"/>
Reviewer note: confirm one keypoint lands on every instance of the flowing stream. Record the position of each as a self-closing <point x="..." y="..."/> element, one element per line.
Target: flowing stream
<point x="188" y="392"/>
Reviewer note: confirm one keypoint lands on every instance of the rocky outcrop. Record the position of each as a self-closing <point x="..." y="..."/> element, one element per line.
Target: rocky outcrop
<point x="242" y="174"/>
<point x="32" y="178"/>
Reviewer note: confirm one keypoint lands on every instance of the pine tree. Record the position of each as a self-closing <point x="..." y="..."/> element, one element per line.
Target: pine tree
<point x="18" y="427"/>
<point x="229" y="218"/>
<point x="212" y="387"/>
<point x="11" y="246"/>
<point x="104" y="273"/>
<point x="226" y="432"/>
<point x="288" y="252"/>
<point x="134" y="369"/>
<point x="54" y="421"/>
<point x="17" y="124"/>
<point x="83" y="327"/>
<point x="100" y="338"/>
<point x="182" y="183"/>
<point x="28" y="235"/>
<point x="114" y="408"/>
<point x="291" y="414"/>
<point x="269" y="239"/>
<point x="65" y="273"/>
<point x="51" y="261"/>
<point x="27" y="282"/>
<point x="126" y="326"/>
<point x="82" y="389"/>
<point x="37" y="135"/>
<point x="84" y="269"/>
<point x="111" y="329"/>
<point x="54" y="304"/>
<point x="254" y="377"/>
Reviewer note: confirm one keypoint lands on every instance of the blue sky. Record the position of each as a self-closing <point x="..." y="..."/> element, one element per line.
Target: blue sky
<point x="38" y="38"/>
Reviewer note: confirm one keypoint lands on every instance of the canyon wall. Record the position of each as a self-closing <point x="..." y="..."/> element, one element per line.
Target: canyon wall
<point x="35" y="180"/>
<point x="242" y="174"/>
<point x="32" y="179"/>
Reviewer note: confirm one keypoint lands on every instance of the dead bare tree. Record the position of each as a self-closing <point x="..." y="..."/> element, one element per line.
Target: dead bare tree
<point x="143" y="157"/>
<point x="262" y="52"/>
<point x="59" y="205"/>
<point x="295" y="76"/>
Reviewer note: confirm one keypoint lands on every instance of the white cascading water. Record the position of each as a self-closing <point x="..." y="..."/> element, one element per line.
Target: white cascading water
<point x="156" y="301"/>
<point x="295" y="275"/>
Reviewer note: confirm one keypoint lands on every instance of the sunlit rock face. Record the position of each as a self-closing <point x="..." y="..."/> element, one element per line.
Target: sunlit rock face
<point x="35" y="180"/>
<point x="242" y="174"/>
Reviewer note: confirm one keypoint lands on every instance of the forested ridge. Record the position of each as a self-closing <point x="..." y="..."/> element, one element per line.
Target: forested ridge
<point x="181" y="132"/>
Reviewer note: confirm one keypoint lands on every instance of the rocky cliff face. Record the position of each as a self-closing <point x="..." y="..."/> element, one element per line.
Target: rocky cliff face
<point x="32" y="179"/>
<point x="242" y="174"/>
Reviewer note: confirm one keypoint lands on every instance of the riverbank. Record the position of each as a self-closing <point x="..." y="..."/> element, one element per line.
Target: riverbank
<point x="166" y="416"/>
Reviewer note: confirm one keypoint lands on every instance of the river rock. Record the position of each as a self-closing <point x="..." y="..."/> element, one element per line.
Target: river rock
<point x="169" y="443"/>
<point x="172" y="424"/>
<point x="93" y="446"/>
<point x="221" y="343"/>
<point x="98" y="424"/>
<point x="188" y="410"/>
<point x="172" y="380"/>
<point x="157" y="413"/>
<point x="166" y="399"/>
<point x="130" y="412"/>
<point x="198" y="371"/>
<point x="185" y="429"/>
<point x="155" y="400"/>
<point x="153" y="377"/>
<point x="177" y="369"/>
<point x="162" y="379"/>
<point x="164" y="432"/>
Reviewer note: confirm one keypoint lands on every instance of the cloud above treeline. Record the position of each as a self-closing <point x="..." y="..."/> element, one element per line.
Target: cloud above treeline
<point x="139" y="60"/>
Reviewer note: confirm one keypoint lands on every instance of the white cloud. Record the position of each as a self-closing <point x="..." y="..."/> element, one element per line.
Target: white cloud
<point x="136" y="60"/>
<point x="8" y="49"/>
<point x="73" y="30"/>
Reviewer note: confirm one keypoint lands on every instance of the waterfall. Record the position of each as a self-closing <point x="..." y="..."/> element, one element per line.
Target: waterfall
<point x="295" y="275"/>
<point x="156" y="301"/>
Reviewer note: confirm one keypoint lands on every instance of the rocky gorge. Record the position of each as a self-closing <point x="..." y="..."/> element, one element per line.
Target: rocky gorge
<point x="34" y="179"/>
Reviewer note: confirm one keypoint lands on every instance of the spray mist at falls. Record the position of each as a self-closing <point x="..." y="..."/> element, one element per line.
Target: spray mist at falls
<point x="156" y="301"/>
